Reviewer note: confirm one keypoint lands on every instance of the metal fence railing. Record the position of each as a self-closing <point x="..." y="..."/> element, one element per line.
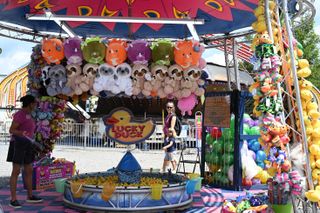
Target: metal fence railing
<point x="4" y="132"/>
<point x="92" y="135"/>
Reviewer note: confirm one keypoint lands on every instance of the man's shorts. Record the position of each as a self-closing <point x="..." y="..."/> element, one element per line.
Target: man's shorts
<point x="169" y="156"/>
<point x="20" y="152"/>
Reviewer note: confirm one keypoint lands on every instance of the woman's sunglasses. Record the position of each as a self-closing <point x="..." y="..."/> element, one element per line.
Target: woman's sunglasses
<point x="169" y="107"/>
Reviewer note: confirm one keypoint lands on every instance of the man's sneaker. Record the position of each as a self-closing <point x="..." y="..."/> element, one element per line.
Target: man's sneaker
<point x="34" y="199"/>
<point x="15" y="204"/>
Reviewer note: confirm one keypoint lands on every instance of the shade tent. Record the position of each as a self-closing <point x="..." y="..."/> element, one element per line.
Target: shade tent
<point x="219" y="16"/>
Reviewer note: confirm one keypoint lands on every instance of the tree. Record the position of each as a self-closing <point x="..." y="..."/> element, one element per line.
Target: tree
<point x="310" y="41"/>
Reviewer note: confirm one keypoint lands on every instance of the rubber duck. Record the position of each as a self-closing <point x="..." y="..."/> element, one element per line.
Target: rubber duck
<point x="122" y="128"/>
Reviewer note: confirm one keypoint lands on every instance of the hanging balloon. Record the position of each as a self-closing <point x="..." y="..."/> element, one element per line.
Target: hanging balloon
<point x="261" y="164"/>
<point x="255" y="130"/>
<point x="254" y="145"/>
<point x="214" y="158"/>
<point x="209" y="139"/>
<point x="229" y="146"/>
<point x="261" y="156"/>
<point x="216" y="132"/>
<point x="227" y="134"/>
<point x="227" y="159"/>
<point x="217" y="146"/>
<point x="246" y="129"/>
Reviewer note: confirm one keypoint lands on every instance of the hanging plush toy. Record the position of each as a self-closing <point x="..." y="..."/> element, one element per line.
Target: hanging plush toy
<point x="93" y="50"/>
<point x="139" y="72"/>
<point x="139" y="52"/>
<point x="162" y="52"/>
<point x="194" y="74"/>
<point x="187" y="53"/>
<point x="122" y="79"/>
<point x="105" y="79"/>
<point x="160" y="72"/>
<point x="52" y="50"/>
<point x="90" y="71"/>
<point x="116" y="52"/>
<point x="187" y="104"/>
<point x="58" y="81"/>
<point x="72" y="50"/>
<point x="176" y="73"/>
<point x="76" y="80"/>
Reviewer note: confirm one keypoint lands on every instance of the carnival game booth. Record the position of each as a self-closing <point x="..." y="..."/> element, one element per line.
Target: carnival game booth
<point x="118" y="63"/>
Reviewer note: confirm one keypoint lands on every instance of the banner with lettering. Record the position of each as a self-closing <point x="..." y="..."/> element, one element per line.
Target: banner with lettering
<point x="123" y="128"/>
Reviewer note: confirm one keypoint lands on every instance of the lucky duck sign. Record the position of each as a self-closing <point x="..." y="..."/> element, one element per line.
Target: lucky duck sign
<point x="123" y="128"/>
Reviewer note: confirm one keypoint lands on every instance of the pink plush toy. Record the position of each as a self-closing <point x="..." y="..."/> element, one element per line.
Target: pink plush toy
<point x="139" y="52"/>
<point x="72" y="50"/>
<point x="187" y="104"/>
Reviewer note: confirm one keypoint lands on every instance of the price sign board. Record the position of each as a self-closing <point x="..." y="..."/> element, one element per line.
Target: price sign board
<point x="217" y="111"/>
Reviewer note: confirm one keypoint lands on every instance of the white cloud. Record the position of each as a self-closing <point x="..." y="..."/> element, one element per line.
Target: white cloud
<point x="14" y="60"/>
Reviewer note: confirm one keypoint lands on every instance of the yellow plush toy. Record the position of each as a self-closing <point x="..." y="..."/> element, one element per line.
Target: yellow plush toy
<point x="314" y="149"/>
<point x="303" y="63"/>
<point x="306" y="94"/>
<point x="304" y="72"/>
<point x="313" y="195"/>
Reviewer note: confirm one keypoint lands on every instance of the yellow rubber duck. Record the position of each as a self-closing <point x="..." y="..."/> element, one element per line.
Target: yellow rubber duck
<point x="122" y="128"/>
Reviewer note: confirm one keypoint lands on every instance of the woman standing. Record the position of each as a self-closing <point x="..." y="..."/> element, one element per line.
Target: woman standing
<point x="20" y="151"/>
<point x="169" y="123"/>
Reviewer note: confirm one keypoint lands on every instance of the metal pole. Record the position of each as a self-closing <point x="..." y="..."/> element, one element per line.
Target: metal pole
<point x="235" y="63"/>
<point x="227" y="64"/>
<point x="268" y="19"/>
<point x="298" y="99"/>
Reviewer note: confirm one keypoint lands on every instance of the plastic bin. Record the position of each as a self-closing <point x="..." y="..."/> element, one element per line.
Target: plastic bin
<point x="193" y="176"/>
<point x="282" y="208"/>
<point x="191" y="186"/>
<point x="156" y="191"/>
<point x="76" y="189"/>
<point x="107" y="191"/>
<point x="60" y="184"/>
<point x="199" y="184"/>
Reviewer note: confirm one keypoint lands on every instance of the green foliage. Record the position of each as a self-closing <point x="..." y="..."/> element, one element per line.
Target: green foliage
<point x="311" y="44"/>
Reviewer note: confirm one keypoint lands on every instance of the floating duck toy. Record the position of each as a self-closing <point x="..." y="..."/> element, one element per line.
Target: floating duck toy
<point x="121" y="127"/>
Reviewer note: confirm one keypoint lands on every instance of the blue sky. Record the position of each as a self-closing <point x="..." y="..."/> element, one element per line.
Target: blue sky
<point x="17" y="53"/>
